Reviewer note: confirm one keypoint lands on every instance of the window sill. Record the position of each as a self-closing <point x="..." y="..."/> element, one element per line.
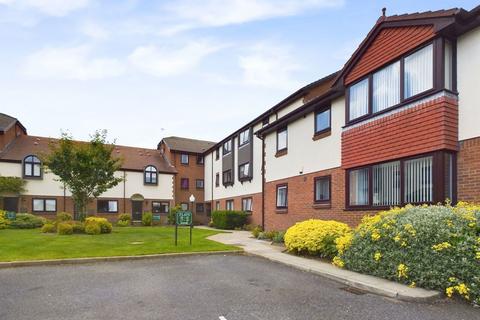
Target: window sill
<point x="33" y="177"/>
<point x="44" y="212"/>
<point x="322" y="134"/>
<point x="281" y="210"/>
<point x="281" y="153"/>
<point x="326" y="205"/>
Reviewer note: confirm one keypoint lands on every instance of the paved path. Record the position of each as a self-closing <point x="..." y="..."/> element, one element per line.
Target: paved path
<point x="235" y="287"/>
<point x="357" y="280"/>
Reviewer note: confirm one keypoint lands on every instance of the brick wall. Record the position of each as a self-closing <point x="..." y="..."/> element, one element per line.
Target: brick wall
<point x="427" y="127"/>
<point x="301" y="204"/>
<point x="255" y="217"/>
<point x="389" y="44"/>
<point x="468" y="170"/>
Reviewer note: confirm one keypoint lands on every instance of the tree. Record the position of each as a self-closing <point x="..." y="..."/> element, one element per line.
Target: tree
<point x="11" y="185"/>
<point x="87" y="169"/>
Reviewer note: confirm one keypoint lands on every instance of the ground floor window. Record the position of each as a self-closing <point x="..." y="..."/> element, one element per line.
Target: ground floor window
<point x="229" y="205"/>
<point x="160" y="207"/>
<point x="247" y="204"/>
<point x="217" y="205"/>
<point x="423" y="179"/>
<point x="184" y="206"/>
<point x="282" y="196"/>
<point x="200" y="207"/>
<point x="322" y="189"/>
<point x="44" y="205"/>
<point x="107" y="206"/>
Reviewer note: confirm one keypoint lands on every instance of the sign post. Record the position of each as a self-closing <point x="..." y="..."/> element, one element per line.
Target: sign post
<point x="183" y="218"/>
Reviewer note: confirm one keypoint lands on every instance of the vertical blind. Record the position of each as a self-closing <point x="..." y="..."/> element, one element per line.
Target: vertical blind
<point x="448" y="65"/>
<point x="386" y="184"/>
<point x="448" y="173"/>
<point x="359" y="187"/>
<point x="418" y="180"/>
<point x="419" y="71"/>
<point x="386" y="87"/>
<point x="358" y="99"/>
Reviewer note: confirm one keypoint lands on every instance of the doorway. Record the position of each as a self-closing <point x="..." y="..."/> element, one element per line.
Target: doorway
<point x="10" y="204"/>
<point x="137" y="210"/>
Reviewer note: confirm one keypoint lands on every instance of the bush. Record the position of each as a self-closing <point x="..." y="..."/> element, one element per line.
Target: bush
<point x="434" y="247"/>
<point x="27" y="221"/>
<point x="64" y="228"/>
<point x="256" y="231"/>
<point x="124" y="217"/>
<point x="105" y="226"/>
<point x="147" y="219"/>
<point x="228" y="220"/>
<point x="173" y="213"/>
<point x="78" y="227"/>
<point x="64" y="216"/>
<point x="48" y="228"/>
<point x="4" y="222"/>
<point x="315" y="237"/>
<point x="93" y="228"/>
<point x="279" y="237"/>
<point x="123" y="223"/>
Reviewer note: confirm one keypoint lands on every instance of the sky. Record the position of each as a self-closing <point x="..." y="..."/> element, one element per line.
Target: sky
<point x="145" y="69"/>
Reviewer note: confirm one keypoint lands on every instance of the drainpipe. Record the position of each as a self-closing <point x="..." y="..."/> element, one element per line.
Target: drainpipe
<point x="263" y="181"/>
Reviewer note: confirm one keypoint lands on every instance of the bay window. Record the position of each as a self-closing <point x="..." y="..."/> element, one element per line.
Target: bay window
<point x="386" y="184"/>
<point x="418" y="180"/>
<point x="244" y="171"/>
<point x="448" y="65"/>
<point x="386" y="87"/>
<point x="358" y="99"/>
<point x="227" y="177"/>
<point x="359" y="188"/>
<point x="227" y="147"/>
<point x="418" y="74"/>
<point x="244" y="137"/>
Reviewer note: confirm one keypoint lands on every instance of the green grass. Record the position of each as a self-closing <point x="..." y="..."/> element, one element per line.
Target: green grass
<point x="17" y="245"/>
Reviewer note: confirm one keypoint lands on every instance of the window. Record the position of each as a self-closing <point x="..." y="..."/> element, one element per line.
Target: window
<point x="386" y="87"/>
<point x="200" y="207"/>
<point x="32" y="167"/>
<point x="160" y="207"/>
<point x="200" y="159"/>
<point x="227" y="147"/>
<point x="227" y="177"/>
<point x="229" y="205"/>
<point x="358" y="99"/>
<point x="322" y="189"/>
<point x="247" y="204"/>
<point x="418" y="71"/>
<point x="386" y="184"/>
<point x="107" y="206"/>
<point x="282" y="139"/>
<point x="448" y="65"/>
<point x="184" y="206"/>
<point x="418" y="179"/>
<point x="244" y="138"/>
<point x="217" y="153"/>
<point x="265" y="122"/>
<point x="217" y="205"/>
<point x="359" y="187"/>
<point x="244" y="171"/>
<point x="150" y="175"/>
<point x="199" y="184"/>
<point x="184" y="158"/>
<point x="217" y="179"/>
<point x="184" y="183"/>
<point x="282" y="196"/>
<point x="44" y="205"/>
<point x="322" y="121"/>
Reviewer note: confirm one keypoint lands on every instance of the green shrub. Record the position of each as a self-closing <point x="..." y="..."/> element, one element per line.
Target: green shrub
<point x="124" y="217"/>
<point x="27" y="221"/>
<point x="123" y="223"/>
<point x="78" y="227"/>
<point x="93" y="228"/>
<point x="48" y="228"/>
<point x="256" y="231"/>
<point x="433" y="247"/>
<point x="64" y="228"/>
<point x="104" y="225"/>
<point x="147" y="219"/>
<point x="173" y="213"/>
<point x="315" y="237"/>
<point x="64" y="216"/>
<point x="279" y="237"/>
<point x="4" y="222"/>
<point x="228" y="220"/>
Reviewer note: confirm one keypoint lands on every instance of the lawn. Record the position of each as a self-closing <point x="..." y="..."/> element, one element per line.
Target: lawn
<point x="17" y="245"/>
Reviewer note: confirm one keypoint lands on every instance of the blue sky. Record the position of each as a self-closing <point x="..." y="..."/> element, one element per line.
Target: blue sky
<point x="148" y="69"/>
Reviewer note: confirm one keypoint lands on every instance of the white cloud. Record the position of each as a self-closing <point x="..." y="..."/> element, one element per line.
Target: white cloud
<point x="221" y="12"/>
<point x="163" y="61"/>
<point x="73" y="63"/>
<point x="94" y="31"/>
<point x="57" y="8"/>
<point x="269" y="65"/>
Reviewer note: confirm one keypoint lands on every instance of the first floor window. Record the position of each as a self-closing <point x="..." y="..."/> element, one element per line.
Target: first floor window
<point x="244" y="171"/>
<point x="217" y="179"/>
<point x="227" y="177"/>
<point x="151" y="175"/>
<point x="358" y="99"/>
<point x="359" y="187"/>
<point x="184" y="206"/>
<point x="282" y="193"/>
<point x="386" y="87"/>
<point x="184" y="158"/>
<point x="32" y="167"/>
<point x="184" y="183"/>
<point x="282" y="139"/>
<point x="418" y="74"/>
<point x="107" y="206"/>
<point x="247" y="204"/>
<point x="217" y="153"/>
<point x="199" y="184"/>
<point x="200" y="207"/>
<point x="322" y="189"/>
<point x="322" y="121"/>
<point x="229" y="205"/>
<point x="200" y="159"/>
<point x="44" y="205"/>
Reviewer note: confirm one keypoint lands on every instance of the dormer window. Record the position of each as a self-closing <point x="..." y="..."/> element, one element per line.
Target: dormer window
<point x="32" y="167"/>
<point x="150" y="175"/>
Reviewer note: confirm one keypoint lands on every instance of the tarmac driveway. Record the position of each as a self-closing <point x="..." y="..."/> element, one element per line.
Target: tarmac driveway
<point x="231" y="287"/>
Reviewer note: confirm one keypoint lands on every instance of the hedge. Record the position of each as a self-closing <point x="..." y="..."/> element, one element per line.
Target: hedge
<point x="228" y="220"/>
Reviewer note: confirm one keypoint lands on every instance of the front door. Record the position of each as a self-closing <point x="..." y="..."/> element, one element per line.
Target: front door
<point x="137" y="209"/>
<point x="10" y="204"/>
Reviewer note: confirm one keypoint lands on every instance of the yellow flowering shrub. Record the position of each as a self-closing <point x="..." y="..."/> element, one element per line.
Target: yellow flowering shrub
<point x="315" y="237"/>
<point x="429" y="246"/>
<point x="104" y="224"/>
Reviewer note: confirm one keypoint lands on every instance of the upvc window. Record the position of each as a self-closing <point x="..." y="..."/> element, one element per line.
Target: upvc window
<point x="217" y="179"/>
<point x="282" y="196"/>
<point x="448" y="65"/>
<point x="386" y="87"/>
<point x="184" y="158"/>
<point x="418" y="179"/>
<point x="184" y="183"/>
<point x="244" y="137"/>
<point x="227" y="147"/>
<point x="247" y="204"/>
<point x="160" y="207"/>
<point x="359" y="193"/>
<point x="32" y="167"/>
<point x="184" y="206"/>
<point x="282" y="139"/>
<point x="322" y="189"/>
<point x="217" y="153"/>
<point x="200" y="159"/>
<point x="386" y="184"/>
<point x="150" y="175"/>
<point x="229" y="205"/>
<point x="418" y="74"/>
<point x="217" y="205"/>
<point x="227" y="177"/>
<point x="200" y="207"/>
<point x="322" y="121"/>
<point x="199" y="183"/>
<point x="44" y="205"/>
<point x="358" y="99"/>
<point x="244" y="171"/>
<point x="107" y="206"/>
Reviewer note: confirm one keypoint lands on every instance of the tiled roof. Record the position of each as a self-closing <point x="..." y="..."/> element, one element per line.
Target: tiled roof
<point x="423" y="15"/>
<point x="6" y="121"/>
<point x="133" y="158"/>
<point x="188" y="145"/>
